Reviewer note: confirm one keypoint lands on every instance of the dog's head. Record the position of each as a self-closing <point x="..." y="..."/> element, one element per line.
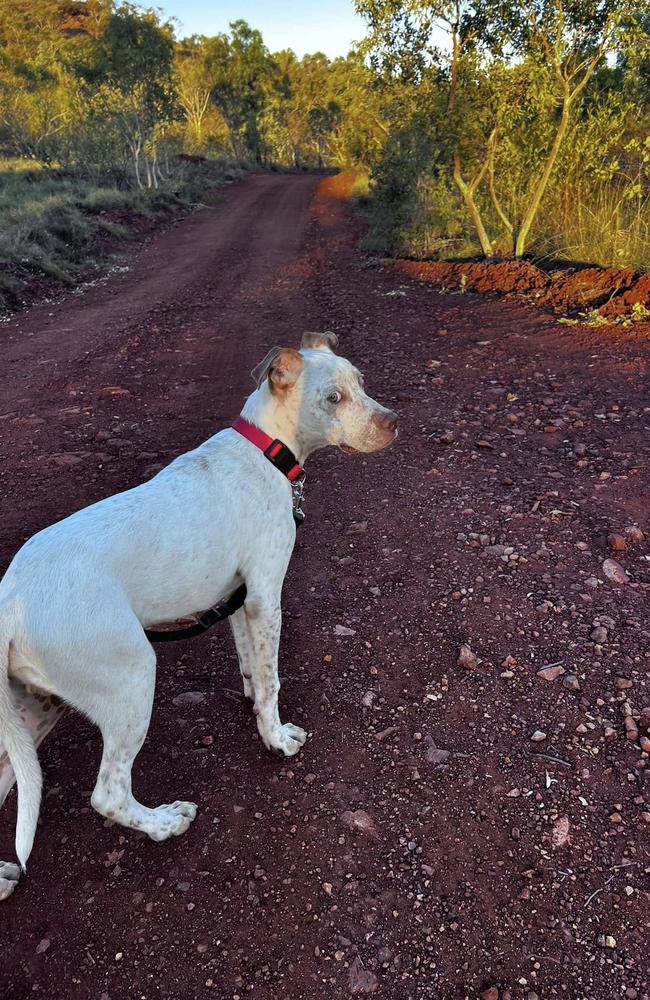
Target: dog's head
<point x="325" y="394"/>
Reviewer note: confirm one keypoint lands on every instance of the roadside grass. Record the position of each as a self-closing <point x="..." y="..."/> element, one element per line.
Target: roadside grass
<point x="54" y="223"/>
<point x="605" y="225"/>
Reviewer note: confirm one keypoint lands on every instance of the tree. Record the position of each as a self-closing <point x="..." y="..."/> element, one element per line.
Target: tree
<point x="133" y="66"/>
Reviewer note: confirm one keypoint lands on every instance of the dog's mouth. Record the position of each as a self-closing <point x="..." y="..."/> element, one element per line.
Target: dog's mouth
<point x="348" y="449"/>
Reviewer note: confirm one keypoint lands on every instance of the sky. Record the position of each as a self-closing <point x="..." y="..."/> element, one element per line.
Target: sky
<point x="328" y="26"/>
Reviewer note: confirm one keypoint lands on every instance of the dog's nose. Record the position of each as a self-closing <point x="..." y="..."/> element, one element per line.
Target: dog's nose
<point x="388" y="420"/>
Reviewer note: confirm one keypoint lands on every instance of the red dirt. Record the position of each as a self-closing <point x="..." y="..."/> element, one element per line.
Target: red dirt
<point x="417" y="848"/>
<point x="610" y="292"/>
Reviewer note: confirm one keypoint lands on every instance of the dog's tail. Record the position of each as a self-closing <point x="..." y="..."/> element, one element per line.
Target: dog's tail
<point x="19" y="745"/>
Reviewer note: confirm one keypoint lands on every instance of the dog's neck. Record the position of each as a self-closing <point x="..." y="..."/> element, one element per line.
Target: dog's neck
<point x="279" y="418"/>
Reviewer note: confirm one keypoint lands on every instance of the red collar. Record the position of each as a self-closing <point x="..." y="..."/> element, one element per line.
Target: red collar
<point x="277" y="453"/>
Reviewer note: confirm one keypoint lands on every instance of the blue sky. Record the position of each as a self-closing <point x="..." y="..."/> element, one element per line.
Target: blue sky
<point x="328" y="26"/>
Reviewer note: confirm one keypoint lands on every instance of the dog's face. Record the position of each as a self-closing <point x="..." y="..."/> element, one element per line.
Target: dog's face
<point x="326" y="393"/>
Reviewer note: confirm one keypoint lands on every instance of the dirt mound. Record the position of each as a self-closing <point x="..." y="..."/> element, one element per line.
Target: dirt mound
<point x="500" y="277"/>
<point x="610" y="293"/>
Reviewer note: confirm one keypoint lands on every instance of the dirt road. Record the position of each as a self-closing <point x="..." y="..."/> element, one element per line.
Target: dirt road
<point x="422" y="846"/>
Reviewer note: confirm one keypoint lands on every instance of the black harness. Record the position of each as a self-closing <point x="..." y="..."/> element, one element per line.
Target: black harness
<point x="283" y="459"/>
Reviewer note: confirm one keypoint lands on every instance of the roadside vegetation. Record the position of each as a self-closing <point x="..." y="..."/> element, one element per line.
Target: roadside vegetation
<point x="475" y="128"/>
<point x="512" y="129"/>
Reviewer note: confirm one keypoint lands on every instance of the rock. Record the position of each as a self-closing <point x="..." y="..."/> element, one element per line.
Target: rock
<point x="606" y="941"/>
<point x="615" y="572"/>
<point x="343" y="630"/>
<point x="385" y="733"/>
<point x="360" y="821"/>
<point x="466" y="658"/>
<point x="434" y="754"/>
<point x="538" y="736"/>
<point x="360" y="980"/>
<point x="644" y="743"/>
<point x="560" y="832"/>
<point x="571" y="682"/>
<point x="615" y="818"/>
<point x="42" y="946"/>
<point x="623" y="683"/>
<point x="491" y="994"/>
<point x="368" y="699"/>
<point x="644" y="718"/>
<point x="634" y="535"/>
<point x="631" y="731"/>
<point x="551" y="673"/>
<point x="189" y="698"/>
<point x="599" y="635"/>
<point x="616" y="542"/>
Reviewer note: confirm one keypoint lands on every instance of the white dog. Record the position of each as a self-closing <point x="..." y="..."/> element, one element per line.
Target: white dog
<point x="77" y="597"/>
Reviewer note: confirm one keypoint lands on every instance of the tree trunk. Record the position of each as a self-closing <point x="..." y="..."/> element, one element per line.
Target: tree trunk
<point x="538" y="193"/>
<point x="467" y="192"/>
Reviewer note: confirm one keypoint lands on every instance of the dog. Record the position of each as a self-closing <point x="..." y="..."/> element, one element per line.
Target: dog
<point x="77" y="598"/>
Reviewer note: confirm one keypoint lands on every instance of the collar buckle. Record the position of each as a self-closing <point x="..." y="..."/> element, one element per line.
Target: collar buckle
<point x="283" y="459"/>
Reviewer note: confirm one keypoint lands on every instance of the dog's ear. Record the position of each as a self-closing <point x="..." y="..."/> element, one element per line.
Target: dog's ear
<point x="282" y="366"/>
<point x="285" y="369"/>
<point x="327" y="341"/>
<point x="261" y="371"/>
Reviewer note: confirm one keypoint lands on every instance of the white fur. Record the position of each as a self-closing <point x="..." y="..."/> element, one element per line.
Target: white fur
<point x="77" y="596"/>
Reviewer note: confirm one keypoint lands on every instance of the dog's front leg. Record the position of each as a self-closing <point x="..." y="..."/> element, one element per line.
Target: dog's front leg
<point x="264" y="619"/>
<point x="245" y="651"/>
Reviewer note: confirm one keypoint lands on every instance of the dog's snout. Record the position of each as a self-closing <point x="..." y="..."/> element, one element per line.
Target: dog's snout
<point x="387" y="420"/>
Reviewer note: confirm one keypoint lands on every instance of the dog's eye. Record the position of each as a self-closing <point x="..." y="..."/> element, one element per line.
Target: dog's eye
<point x="334" y="397"/>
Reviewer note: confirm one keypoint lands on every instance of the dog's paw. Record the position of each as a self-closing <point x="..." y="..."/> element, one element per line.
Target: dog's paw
<point x="171" y="820"/>
<point x="287" y="740"/>
<point x="9" y="875"/>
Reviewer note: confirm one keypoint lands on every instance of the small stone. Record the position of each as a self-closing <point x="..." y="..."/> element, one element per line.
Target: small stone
<point x="615" y="572"/>
<point x="623" y="683"/>
<point x="344" y="630"/>
<point x="571" y="682"/>
<point x="616" y="542"/>
<point x="42" y="946"/>
<point x="560" y="832"/>
<point x="615" y="818"/>
<point x="538" y="736"/>
<point x="631" y="731"/>
<point x="599" y="635"/>
<point x="360" y="980"/>
<point x="644" y="743"/>
<point x="359" y="820"/>
<point x="606" y="941"/>
<point x="514" y="793"/>
<point x="491" y="994"/>
<point x="634" y="535"/>
<point x="466" y="658"/>
<point x="188" y="698"/>
<point x="609" y="732"/>
<point x="551" y="673"/>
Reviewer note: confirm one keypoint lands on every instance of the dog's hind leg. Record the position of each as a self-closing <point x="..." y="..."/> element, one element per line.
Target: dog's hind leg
<point x="245" y="651"/>
<point x="121" y="707"/>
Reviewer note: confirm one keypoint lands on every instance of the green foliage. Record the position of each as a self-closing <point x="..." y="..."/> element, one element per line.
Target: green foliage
<point x="527" y="128"/>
